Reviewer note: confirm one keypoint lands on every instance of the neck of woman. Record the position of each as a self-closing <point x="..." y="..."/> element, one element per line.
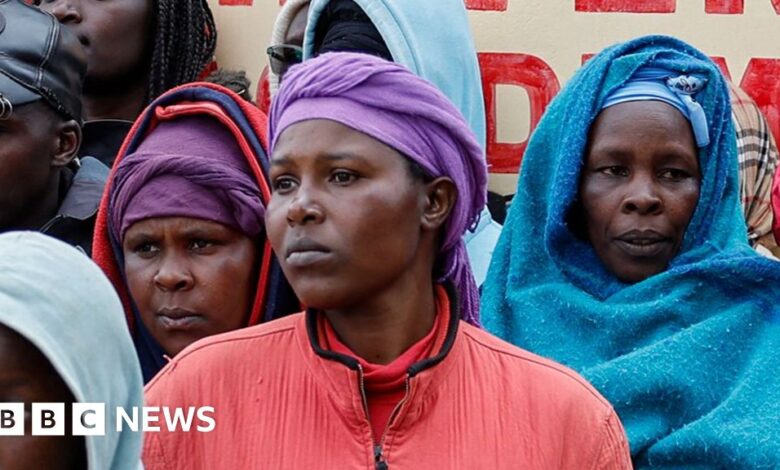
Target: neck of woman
<point x="124" y="104"/>
<point x="389" y="322"/>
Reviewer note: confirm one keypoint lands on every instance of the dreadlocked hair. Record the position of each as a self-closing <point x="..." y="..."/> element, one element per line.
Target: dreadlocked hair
<point x="184" y="43"/>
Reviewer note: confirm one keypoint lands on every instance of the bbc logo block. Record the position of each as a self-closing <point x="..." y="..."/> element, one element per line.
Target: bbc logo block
<point x="50" y="419"/>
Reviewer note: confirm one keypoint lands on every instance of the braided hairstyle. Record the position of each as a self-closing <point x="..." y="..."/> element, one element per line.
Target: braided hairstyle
<point x="184" y="43"/>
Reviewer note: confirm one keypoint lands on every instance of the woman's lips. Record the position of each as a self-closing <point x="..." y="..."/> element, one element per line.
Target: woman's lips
<point x="301" y="259"/>
<point x="643" y="249"/>
<point x="178" y="318"/>
<point x="643" y="243"/>
<point x="305" y="252"/>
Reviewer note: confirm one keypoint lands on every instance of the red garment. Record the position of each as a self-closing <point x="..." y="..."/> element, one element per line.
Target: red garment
<point x="385" y="385"/>
<point x="282" y="401"/>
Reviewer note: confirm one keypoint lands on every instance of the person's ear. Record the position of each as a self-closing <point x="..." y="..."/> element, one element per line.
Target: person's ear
<point x="441" y="195"/>
<point x="67" y="144"/>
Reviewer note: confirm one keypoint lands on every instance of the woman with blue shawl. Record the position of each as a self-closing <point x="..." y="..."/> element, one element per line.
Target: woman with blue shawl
<point x="625" y="257"/>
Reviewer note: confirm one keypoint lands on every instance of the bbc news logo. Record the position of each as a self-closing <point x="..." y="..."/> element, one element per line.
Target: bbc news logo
<point x="89" y="419"/>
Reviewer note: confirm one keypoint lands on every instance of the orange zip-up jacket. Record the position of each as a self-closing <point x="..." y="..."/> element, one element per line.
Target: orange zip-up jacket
<point x="282" y="402"/>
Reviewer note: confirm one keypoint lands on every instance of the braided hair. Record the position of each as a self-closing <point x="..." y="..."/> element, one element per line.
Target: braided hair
<point x="184" y="43"/>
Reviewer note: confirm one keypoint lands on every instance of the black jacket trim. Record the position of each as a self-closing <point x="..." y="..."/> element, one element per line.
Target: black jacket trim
<point x="416" y="368"/>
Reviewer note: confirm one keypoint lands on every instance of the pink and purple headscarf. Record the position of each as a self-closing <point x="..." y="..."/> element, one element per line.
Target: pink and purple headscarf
<point x="386" y="101"/>
<point x="187" y="167"/>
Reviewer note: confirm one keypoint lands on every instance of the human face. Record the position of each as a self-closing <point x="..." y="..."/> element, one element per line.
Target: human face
<point x="26" y="376"/>
<point x="639" y="187"/>
<point x="29" y="140"/>
<point x="297" y="29"/>
<point x="116" y="35"/>
<point x="290" y="52"/>
<point x="345" y="214"/>
<point x="189" y="278"/>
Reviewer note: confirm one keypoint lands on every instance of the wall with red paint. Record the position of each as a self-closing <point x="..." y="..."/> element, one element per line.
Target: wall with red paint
<point x="529" y="48"/>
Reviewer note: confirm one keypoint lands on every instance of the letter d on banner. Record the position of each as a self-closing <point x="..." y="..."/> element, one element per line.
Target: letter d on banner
<point x="11" y="419"/>
<point x="89" y="419"/>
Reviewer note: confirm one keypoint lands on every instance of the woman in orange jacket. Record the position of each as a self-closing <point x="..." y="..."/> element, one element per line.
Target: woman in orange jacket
<point x="375" y="177"/>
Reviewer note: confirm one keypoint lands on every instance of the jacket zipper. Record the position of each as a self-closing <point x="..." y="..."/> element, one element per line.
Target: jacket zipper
<point x="379" y="461"/>
<point x="51" y="223"/>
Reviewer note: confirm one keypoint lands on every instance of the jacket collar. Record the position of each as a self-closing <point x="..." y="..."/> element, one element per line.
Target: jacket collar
<point x="416" y="368"/>
<point x="83" y="196"/>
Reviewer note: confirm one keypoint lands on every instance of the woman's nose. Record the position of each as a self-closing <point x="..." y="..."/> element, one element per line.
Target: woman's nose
<point x="173" y="275"/>
<point x="642" y="198"/>
<point x="303" y="208"/>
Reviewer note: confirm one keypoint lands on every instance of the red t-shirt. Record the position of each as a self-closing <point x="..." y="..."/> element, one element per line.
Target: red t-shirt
<point x="385" y="384"/>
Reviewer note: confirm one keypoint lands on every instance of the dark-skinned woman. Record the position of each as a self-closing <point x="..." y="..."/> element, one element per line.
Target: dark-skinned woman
<point x="625" y="256"/>
<point x="180" y="231"/>
<point x="375" y="177"/>
<point x="136" y="51"/>
<point x="63" y="341"/>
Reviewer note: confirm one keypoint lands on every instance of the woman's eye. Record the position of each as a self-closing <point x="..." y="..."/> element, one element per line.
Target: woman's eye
<point x="343" y="177"/>
<point x="201" y="244"/>
<point x="283" y="183"/>
<point x="146" y="249"/>
<point x="614" y="170"/>
<point x="674" y="174"/>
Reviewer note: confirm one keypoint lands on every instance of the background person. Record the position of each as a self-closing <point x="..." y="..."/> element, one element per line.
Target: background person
<point x="136" y="51"/>
<point x="65" y="344"/>
<point x="181" y="231"/>
<point x="286" y="47"/>
<point x="757" y="156"/>
<point x="625" y="256"/>
<point x="42" y="185"/>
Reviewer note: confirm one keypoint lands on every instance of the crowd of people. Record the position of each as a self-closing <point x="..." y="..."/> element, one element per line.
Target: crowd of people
<point x="330" y="276"/>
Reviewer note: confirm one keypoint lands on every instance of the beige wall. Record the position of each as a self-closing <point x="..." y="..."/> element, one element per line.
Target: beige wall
<point x="554" y="32"/>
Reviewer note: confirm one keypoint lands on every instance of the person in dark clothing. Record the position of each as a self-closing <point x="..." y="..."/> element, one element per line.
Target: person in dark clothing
<point x="136" y="51"/>
<point x="42" y="186"/>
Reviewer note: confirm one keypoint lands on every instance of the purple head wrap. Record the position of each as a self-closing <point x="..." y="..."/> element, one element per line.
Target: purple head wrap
<point x="386" y="101"/>
<point x="187" y="167"/>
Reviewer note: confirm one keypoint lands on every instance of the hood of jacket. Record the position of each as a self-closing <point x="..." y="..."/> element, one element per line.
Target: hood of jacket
<point x="433" y="42"/>
<point x="57" y="299"/>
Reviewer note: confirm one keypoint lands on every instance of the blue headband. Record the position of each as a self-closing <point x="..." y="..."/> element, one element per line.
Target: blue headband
<point x="651" y="83"/>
